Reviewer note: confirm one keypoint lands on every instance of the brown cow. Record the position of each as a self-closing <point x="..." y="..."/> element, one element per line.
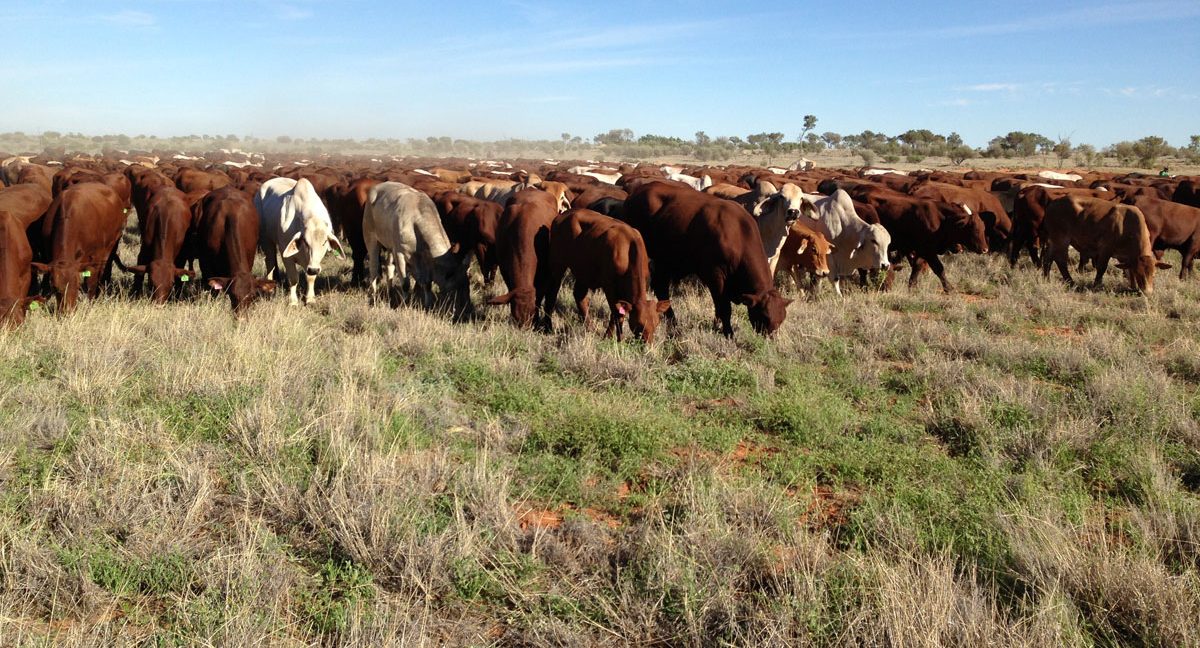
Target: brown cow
<point x="1172" y="226"/>
<point x="471" y="224"/>
<point x="16" y="258"/>
<point x="980" y="202"/>
<point x="346" y="202"/>
<point x="226" y="240"/>
<point x="805" y="251"/>
<point x="1100" y="230"/>
<point x="26" y="202"/>
<point x="83" y="227"/>
<point x="1029" y="208"/>
<point x="690" y="233"/>
<point x="189" y="179"/>
<point x="164" y="239"/>
<point x="603" y="253"/>
<point x="523" y="248"/>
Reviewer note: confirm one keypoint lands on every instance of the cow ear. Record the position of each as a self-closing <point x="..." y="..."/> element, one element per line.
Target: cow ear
<point x="624" y="308"/>
<point x="803" y="246"/>
<point x="218" y="283"/>
<point x="184" y="275"/>
<point x="293" y="247"/>
<point x="1163" y="266"/>
<point x="808" y="208"/>
<point x="501" y="299"/>
<point x="832" y="247"/>
<point x="265" y="286"/>
<point x="662" y="306"/>
<point x="40" y="267"/>
<point x="336" y="244"/>
<point x="139" y="269"/>
<point x="455" y="248"/>
<point x="33" y="303"/>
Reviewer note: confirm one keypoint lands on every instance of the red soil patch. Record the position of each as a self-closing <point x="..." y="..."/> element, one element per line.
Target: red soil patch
<point x="552" y="518"/>
<point x="828" y="508"/>
<point x="1059" y="331"/>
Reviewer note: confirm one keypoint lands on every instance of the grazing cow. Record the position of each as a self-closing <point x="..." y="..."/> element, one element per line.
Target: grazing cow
<point x="82" y="229"/>
<point x="406" y="222"/>
<point x="923" y="229"/>
<point x="497" y="191"/>
<point x="162" y="253"/>
<point x="471" y="225"/>
<point x="1029" y="208"/>
<point x="982" y="203"/>
<point x="293" y="218"/>
<point x="1172" y="226"/>
<point x="603" y="253"/>
<point x="690" y="233"/>
<point x="1100" y="230"/>
<point x="16" y="258"/>
<point x="805" y="251"/>
<point x="855" y="243"/>
<point x="523" y="248"/>
<point x="560" y="192"/>
<point x="226" y="239"/>
<point x="346" y="202"/>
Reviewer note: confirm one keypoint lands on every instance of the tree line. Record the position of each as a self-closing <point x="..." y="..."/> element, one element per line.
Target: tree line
<point x="913" y="145"/>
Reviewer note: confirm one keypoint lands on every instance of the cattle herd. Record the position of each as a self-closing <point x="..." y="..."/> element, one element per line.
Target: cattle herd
<point x="418" y="224"/>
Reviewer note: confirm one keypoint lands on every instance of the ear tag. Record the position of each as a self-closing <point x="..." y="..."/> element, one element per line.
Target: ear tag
<point x="85" y="274"/>
<point x="125" y="211"/>
<point x="34" y="306"/>
<point x="184" y="278"/>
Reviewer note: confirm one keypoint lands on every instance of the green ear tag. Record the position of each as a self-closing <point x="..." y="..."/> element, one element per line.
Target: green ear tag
<point x="86" y="273"/>
<point x="184" y="278"/>
<point x="34" y="305"/>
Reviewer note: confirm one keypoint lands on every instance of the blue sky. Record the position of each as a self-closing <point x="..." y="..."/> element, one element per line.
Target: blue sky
<point x="1096" y="72"/>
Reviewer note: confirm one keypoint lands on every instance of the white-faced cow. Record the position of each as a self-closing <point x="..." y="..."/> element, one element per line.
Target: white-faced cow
<point x="294" y="220"/>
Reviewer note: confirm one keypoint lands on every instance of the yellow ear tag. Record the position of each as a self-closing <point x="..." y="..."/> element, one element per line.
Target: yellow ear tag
<point x="85" y="274"/>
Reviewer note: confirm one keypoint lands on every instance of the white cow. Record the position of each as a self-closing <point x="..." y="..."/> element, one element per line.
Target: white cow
<point x="857" y="244"/>
<point x="406" y="222"/>
<point x="293" y="218"/>
<point x="775" y="210"/>
<point x="1055" y="175"/>
<point x="699" y="184"/>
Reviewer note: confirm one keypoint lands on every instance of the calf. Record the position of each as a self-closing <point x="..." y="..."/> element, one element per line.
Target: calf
<point x="690" y="233"/>
<point x="523" y="249"/>
<point x="1100" y="230"/>
<point x="83" y="227"/>
<point x="603" y="253"/>
<point x="226" y="238"/>
<point x="293" y="218"/>
<point x="805" y="251"/>
<point x="406" y="222"/>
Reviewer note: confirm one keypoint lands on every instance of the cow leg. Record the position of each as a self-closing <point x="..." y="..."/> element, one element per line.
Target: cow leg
<point x="373" y="267"/>
<point x="1185" y="263"/>
<point x="889" y="278"/>
<point x="661" y="285"/>
<point x="724" y="312"/>
<point x="1101" y="267"/>
<point x="270" y="262"/>
<point x="581" y="303"/>
<point x="553" y="284"/>
<point x="289" y="268"/>
<point x="1058" y="256"/>
<point x="939" y="270"/>
<point x="918" y="266"/>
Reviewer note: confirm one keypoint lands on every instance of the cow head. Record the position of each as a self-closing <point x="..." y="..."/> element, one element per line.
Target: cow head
<point x="65" y="278"/>
<point x="871" y="252"/>
<point x="1141" y="272"/>
<point x="243" y="289"/>
<point x="522" y="303"/>
<point x="643" y="316"/>
<point x="813" y="251"/>
<point x="967" y="229"/>
<point x="766" y="310"/>
<point x="162" y="277"/>
<point x="311" y="244"/>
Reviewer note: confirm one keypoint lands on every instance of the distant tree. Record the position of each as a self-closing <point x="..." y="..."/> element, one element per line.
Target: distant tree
<point x="868" y="156"/>
<point x="831" y="139"/>
<point x="702" y="139"/>
<point x="960" y="153"/>
<point x="51" y="135"/>
<point x="1192" y="150"/>
<point x="615" y="136"/>
<point x="1019" y="144"/>
<point x="283" y="139"/>
<point x="1062" y="149"/>
<point x="954" y="140"/>
<point x="1149" y="149"/>
<point x="1085" y="155"/>
<point x="813" y="143"/>
<point x="1123" y="151"/>
<point x="810" y="122"/>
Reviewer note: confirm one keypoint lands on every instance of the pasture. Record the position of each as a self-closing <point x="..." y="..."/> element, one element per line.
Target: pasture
<point x="1017" y="463"/>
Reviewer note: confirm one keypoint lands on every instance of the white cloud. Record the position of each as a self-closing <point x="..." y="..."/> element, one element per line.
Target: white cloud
<point x="993" y="87"/>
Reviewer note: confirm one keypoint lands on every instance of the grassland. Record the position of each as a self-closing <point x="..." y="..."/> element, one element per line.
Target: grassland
<point x="1016" y="464"/>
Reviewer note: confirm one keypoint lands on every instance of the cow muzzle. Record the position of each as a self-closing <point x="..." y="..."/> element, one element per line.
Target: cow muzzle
<point x="312" y="272"/>
<point x="793" y="214"/>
